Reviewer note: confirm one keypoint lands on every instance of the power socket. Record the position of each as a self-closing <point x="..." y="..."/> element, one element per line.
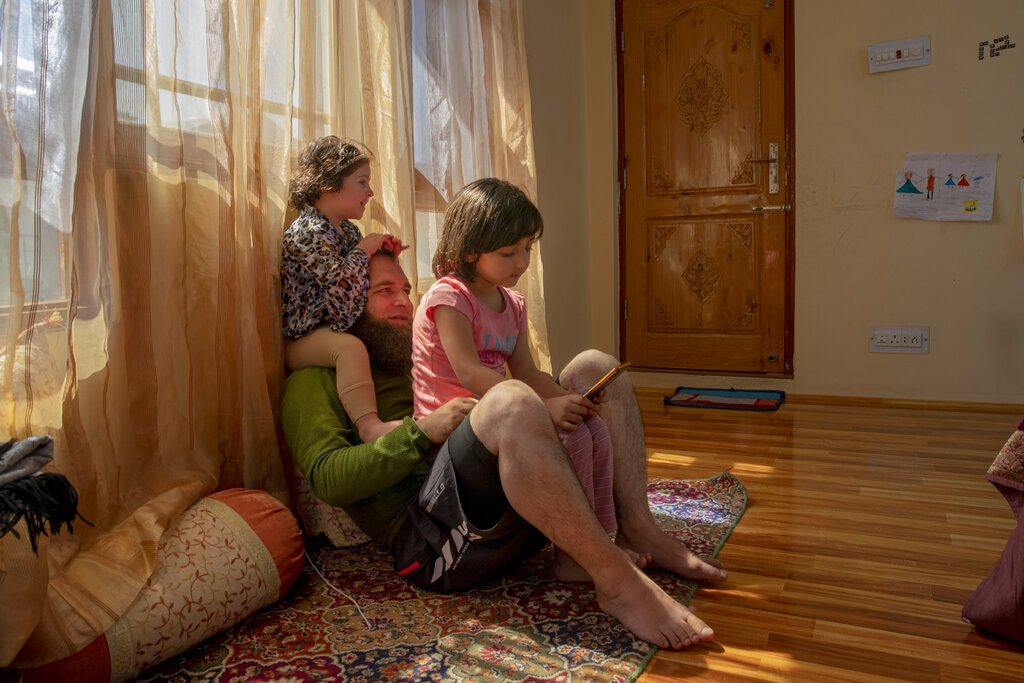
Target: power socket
<point x="902" y="339"/>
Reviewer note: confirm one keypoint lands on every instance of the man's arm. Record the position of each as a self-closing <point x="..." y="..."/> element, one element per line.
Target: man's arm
<point x="326" y="447"/>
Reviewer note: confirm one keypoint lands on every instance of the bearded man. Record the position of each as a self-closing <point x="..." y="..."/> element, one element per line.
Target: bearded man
<point x="421" y="489"/>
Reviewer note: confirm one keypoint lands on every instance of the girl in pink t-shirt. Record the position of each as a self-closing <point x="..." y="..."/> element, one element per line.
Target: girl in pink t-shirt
<point x="470" y="326"/>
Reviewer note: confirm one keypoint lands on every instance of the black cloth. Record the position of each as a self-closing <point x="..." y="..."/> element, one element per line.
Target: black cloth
<point x="439" y="547"/>
<point x="47" y="502"/>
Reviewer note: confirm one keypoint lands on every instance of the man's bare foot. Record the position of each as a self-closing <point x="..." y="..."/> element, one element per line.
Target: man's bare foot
<point x="567" y="569"/>
<point x="371" y="428"/>
<point x="668" y="553"/>
<point x="650" y="613"/>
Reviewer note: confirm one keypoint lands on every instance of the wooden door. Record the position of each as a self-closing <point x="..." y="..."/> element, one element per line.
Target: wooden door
<point x="706" y="230"/>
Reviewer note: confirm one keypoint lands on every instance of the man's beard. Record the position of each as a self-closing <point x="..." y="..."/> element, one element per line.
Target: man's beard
<point x="390" y="347"/>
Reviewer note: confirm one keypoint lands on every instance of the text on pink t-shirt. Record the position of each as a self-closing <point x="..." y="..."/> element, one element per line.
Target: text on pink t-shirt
<point x="434" y="381"/>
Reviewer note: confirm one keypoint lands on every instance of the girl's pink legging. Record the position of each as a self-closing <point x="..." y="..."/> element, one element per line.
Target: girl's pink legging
<point x="590" y="448"/>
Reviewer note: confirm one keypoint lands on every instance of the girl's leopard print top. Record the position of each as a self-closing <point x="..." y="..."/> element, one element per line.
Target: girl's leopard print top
<point x="323" y="275"/>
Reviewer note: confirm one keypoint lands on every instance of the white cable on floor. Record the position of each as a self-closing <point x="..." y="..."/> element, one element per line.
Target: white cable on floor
<point x="335" y="588"/>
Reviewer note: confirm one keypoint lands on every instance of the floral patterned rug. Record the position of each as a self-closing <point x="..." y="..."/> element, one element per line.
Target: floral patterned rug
<point x="526" y="627"/>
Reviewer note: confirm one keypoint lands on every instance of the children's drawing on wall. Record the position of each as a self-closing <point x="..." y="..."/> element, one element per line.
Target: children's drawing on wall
<point x="908" y="187"/>
<point x="966" y="195"/>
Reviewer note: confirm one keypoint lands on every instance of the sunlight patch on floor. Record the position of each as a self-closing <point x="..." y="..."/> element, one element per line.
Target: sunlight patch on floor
<point x="750" y="468"/>
<point x="670" y="458"/>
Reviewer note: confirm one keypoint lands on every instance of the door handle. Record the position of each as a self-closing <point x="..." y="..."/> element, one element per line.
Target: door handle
<point x="773" y="167"/>
<point x="780" y="207"/>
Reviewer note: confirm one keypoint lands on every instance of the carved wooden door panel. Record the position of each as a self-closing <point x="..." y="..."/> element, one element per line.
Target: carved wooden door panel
<point x="706" y="233"/>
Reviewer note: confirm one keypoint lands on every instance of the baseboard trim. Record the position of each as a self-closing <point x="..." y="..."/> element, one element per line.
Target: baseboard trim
<point x="868" y="402"/>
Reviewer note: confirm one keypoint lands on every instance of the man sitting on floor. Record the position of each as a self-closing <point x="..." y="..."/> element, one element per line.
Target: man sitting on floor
<point x="429" y="489"/>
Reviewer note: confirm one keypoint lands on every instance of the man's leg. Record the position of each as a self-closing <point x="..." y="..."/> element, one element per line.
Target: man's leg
<point x="637" y="529"/>
<point x="512" y="422"/>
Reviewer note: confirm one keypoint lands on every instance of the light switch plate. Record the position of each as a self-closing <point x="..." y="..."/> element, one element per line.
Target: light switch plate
<point x="900" y="54"/>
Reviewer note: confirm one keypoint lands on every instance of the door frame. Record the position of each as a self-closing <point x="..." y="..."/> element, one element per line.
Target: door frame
<point x="788" y="168"/>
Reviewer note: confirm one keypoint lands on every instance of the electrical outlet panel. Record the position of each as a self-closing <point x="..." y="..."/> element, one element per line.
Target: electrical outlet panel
<point x="900" y="54"/>
<point x="902" y="339"/>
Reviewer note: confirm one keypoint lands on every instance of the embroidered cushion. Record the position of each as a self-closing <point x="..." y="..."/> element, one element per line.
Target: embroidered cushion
<point x="317" y="516"/>
<point x="225" y="557"/>
<point x="997" y="604"/>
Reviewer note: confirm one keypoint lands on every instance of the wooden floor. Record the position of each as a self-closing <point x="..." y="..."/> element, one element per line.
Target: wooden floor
<point x="867" y="528"/>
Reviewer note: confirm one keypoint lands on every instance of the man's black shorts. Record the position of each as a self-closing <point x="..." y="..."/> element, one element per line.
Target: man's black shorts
<point x="438" y="548"/>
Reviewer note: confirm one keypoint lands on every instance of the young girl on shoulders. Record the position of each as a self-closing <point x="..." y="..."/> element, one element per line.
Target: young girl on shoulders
<point x="469" y="326"/>
<point x="324" y="273"/>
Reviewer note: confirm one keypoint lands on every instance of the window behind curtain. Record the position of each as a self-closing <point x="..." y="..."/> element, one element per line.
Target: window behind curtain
<point x="41" y="179"/>
<point x="187" y="92"/>
<point x="450" y="124"/>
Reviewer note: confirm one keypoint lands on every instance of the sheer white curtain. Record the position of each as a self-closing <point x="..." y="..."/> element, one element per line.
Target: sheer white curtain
<point x="44" y="56"/>
<point x="145" y="153"/>
<point x="472" y="119"/>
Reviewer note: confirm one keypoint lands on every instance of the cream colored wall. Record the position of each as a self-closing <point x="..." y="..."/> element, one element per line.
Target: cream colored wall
<point x="856" y="265"/>
<point x="554" y="42"/>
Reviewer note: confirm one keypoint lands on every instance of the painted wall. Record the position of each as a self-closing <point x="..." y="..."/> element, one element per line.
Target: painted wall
<point x="554" y="37"/>
<point x="856" y="266"/>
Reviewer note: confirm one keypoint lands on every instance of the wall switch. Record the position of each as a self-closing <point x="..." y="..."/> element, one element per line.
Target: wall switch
<point x="903" y="339"/>
<point x="900" y="54"/>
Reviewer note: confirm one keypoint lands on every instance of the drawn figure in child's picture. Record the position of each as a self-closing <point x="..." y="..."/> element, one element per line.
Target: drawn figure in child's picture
<point x="908" y="186"/>
<point x="949" y="180"/>
<point x="931" y="184"/>
<point x="963" y="181"/>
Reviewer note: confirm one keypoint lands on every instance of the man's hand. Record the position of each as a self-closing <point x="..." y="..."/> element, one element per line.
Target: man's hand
<point x="439" y="425"/>
<point x="568" y="411"/>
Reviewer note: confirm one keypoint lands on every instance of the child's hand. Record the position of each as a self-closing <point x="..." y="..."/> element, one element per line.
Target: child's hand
<point x="394" y="245"/>
<point x="595" y="403"/>
<point x="567" y="412"/>
<point x="376" y="241"/>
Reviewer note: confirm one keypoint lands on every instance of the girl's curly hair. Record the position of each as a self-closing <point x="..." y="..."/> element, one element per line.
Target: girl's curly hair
<point x="323" y="166"/>
<point x="484" y="216"/>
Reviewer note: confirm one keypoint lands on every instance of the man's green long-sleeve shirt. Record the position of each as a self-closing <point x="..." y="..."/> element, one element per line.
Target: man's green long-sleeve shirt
<point x="372" y="482"/>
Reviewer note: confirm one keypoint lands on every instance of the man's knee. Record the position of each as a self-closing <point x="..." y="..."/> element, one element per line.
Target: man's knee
<point x="507" y="408"/>
<point x="510" y="400"/>
<point x="599" y="359"/>
<point x="588" y="366"/>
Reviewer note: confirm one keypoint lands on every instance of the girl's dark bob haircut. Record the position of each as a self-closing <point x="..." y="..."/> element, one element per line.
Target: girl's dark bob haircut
<point x="484" y="216"/>
<point x="323" y="166"/>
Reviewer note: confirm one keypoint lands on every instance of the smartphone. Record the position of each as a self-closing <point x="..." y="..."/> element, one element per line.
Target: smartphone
<point x="605" y="381"/>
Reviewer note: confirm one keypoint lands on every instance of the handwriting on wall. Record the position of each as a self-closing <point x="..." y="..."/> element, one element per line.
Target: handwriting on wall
<point x="995" y="46"/>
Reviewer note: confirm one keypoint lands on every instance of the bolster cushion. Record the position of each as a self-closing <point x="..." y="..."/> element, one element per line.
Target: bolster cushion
<point x="226" y="556"/>
<point x="997" y="605"/>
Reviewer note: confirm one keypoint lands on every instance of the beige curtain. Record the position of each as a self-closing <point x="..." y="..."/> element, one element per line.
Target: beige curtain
<point x="144" y="159"/>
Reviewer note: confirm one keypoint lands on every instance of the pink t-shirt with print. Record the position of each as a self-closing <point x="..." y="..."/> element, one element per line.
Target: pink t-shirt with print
<point x="434" y="382"/>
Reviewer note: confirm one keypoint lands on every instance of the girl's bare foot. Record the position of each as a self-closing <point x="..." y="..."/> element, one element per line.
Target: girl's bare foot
<point x="567" y="569"/>
<point x="641" y="559"/>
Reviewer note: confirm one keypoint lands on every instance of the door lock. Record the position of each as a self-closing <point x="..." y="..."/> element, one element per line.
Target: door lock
<point x="773" y="167"/>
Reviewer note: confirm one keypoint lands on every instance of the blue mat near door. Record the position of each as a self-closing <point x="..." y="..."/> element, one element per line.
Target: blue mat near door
<point x="730" y="399"/>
